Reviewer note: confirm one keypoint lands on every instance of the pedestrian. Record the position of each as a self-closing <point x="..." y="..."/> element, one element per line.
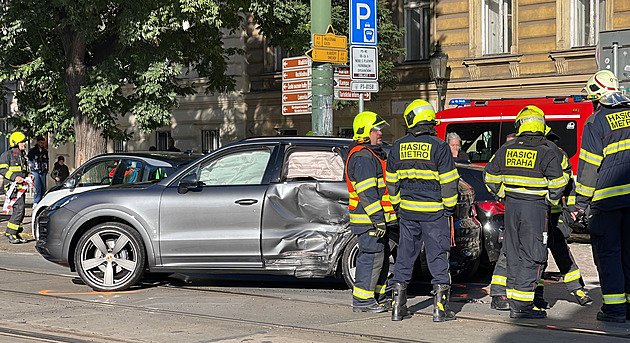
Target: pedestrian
<point x="527" y="173"/>
<point x="14" y="168"/>
<point x="370" y="213"/>
<point x="60" y="170"/>
<point x="603" y="181"/>
<point x="422" y="182"/>
<point x="557" y="244"/>
<point x="38" y="165"/>
<point x="171" y="145"/>
<point x="455" y="143"/>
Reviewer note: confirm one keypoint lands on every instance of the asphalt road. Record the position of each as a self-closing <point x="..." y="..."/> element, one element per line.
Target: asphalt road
<point x="44" y="302"/>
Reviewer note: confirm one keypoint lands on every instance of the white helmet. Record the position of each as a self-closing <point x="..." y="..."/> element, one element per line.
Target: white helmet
<point x="600" y="84"/>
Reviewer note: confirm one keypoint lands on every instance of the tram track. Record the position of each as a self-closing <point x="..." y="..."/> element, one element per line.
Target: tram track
<point x="296" y="328"/>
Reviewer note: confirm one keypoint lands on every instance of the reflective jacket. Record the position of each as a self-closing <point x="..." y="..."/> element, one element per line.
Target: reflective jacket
<point x="421" y="177"/>
<point x="527" y="168"/>
<point x="369" y="203"/>
<point x="13" y="164"/>
<point x="604" y="165"/>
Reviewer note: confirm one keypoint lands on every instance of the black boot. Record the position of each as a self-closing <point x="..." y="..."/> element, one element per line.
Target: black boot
<point x="399" y="304"/>
<point x="13" y="239"/>
<point x="441" y="297"/>
<point x="539" y="300"/>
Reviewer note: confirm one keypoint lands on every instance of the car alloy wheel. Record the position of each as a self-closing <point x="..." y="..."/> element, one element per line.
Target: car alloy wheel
<point x="349" y="258"/>
<point x="110" y="257"/>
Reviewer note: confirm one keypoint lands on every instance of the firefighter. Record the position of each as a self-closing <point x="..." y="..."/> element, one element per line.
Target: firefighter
<point x="422" y="182"/>
<point x="370" y="213"/>
<point x="14" y="168"/>
<point x="603" y="182"/>
<point x="557" y="244"/>
<point x="527" y="173"/>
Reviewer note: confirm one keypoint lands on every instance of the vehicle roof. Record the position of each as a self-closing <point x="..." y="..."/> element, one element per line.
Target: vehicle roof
<point x="174" y="158"/>
<point x="555" y="107"/>
<point x="298" y="140"/>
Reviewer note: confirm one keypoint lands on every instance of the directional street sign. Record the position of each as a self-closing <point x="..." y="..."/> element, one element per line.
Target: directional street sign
<point x="364" y="86"/>
<point x="328" y="55"/>
<point x="295" y="62"/>
<point x="294" y="74"/>
<point x="350" y="95"/>
<point x="289" y="86"/>
<point x="364" y="63"/>
<point x="342" y="82"/>
<point x="363" y="22"/>
<point x="302" y="108"/>
<point x="296" y="97"/>
<point x="330" y="40"/>
<point x="341" y="71"/>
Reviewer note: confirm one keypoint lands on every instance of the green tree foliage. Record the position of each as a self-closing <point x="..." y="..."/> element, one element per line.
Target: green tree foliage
<point x="287" y="24"/>
<point x="78" y="64"/>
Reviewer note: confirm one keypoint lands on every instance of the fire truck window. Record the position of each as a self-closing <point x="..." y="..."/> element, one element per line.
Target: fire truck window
<point x="479" y="140"/>
<point x="567" y="131"/>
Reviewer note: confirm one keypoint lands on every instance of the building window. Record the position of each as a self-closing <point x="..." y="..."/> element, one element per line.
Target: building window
<point x="209" y="140"/>
<point x="417" y="30"/>
<point x="120" y="146"/>
<point x="162" y="139"/>
<point x="273" y="58"/>
<point x="496" y="25"/>
<point x="587" y="20"/>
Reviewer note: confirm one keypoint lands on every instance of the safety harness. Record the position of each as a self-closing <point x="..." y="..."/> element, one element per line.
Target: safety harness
<point x="354" y="197"/>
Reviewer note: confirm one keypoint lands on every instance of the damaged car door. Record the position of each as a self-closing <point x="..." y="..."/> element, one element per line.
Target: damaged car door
<point x="211" y="216"/>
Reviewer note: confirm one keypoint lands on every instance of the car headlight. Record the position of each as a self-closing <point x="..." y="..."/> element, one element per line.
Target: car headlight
<point x="62" y="202"/>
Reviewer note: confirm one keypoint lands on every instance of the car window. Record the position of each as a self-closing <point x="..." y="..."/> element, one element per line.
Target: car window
<point x="99" y="173"/>
<point x="313" y="165"/>
<point x="479" y="140"/>
<point x="567" y="131"/>
<point x="238" y="168"/>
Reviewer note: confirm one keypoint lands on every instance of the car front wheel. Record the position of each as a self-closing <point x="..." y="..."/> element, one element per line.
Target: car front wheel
<point x="110" y="257"/>
<point x="349" y="258"/>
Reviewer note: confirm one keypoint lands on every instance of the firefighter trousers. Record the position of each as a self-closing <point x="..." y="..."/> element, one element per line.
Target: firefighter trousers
<point x="14" y="225"/>
<point x="561" y="253"/>
<point x="525" y="247"/>
<point x="372" y="269"/>
<point x="610" y="240"/>
<point x="436" y="236"/>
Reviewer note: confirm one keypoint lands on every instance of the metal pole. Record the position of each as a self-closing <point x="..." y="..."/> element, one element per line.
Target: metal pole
<point x="361" y="102"/>
<point x="438" y="85"/>
<point x="321" y="119"/>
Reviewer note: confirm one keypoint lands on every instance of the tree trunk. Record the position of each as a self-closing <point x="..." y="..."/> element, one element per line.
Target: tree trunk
<point x="90" y="139"/>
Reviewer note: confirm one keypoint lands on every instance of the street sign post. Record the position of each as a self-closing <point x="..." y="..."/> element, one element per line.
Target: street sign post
<point x="364" y="86"/>
<point x="363" y="22"/>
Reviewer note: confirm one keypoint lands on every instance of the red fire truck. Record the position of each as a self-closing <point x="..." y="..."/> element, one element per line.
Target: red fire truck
<point x="484" y="124"/>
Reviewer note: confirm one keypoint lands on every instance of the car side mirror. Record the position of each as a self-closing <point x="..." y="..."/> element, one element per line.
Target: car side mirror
<point x="187" y="183"/>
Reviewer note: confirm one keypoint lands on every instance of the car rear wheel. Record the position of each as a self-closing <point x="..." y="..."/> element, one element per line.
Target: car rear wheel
<point x="110" y="257"/>
<point x="349" y="258"/>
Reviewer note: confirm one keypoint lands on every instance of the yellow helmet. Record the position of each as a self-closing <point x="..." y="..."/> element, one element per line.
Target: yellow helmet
<point x="419" y="112"/>
<point x="365" y="122"/>
<point x="600" y="84"/>
<point x="530" y="119"/>
<point x="16" y="137"/>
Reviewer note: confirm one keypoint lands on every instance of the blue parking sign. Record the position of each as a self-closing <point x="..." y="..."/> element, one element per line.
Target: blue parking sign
<point x="363" y="22"/>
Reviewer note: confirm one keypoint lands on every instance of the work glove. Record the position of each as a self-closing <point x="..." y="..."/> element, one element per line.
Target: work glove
<point x="381" y="229"/>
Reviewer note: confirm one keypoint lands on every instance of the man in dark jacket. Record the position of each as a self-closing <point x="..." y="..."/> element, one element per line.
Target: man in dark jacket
<point x="422" y="182"/>
<point x="60" y="170"/>
<point x="38" y="164"/>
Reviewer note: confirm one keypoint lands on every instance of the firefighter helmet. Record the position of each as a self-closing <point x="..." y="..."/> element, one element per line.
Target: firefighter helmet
<point x="16" y="137"/>
<point x="530" y="119"/>
<point x="600" y="84"/>
<point x="420" y="112"/>
<point x="364" y="123"/>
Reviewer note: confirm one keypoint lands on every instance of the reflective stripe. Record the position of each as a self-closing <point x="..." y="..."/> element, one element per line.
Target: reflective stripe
<point x="364" y="185"/>
<point x="450" y="202"/>
<point x="509" y="292"/>
<point x="13" y="226"/>
<point x="557" y="209"/>
<point x="540" y="284"/>
<point x="616" y="147"/>
<point x="525" y="181"/>
<point x="565" y="162"/>
<point x="418" y="174"/>
<point x="584" y="190"/>
<point x="590" y="157"/>
<point x="571" y="200"/>
<point x="559" y="182"/>
<point x="362" y="293"/>
<point x="611" y="192"/>
<point x="448" y="177"/>
<point x="380" y="289"/>
<point x="360" y="218"/>
<point x="394" y="199"/>
<point x="493" y="178"/>
<point x="542" y="193"/>
<point x="381" y="183"/>
<point x="373" y="207"/>
<point x="4" y="165"/>
<point x="574" y="275"/>
<point x="613" y="299"/>
<point x="522" y="296"/>
<point x="390" y="216"/>
<point x="499" y="280"/>
<point x="421" y="206"/>
<point x="391" y="177"/>
<point x="551" y="201"/>
<point x="627" y="297"/>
